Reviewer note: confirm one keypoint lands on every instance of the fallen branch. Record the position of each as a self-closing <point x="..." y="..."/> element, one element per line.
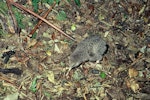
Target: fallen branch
<point x="39" y="23"/>
<point x="36" y="15"/>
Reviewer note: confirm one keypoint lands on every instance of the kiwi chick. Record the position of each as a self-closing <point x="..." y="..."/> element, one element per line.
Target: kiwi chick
<point x="91" y="48"/>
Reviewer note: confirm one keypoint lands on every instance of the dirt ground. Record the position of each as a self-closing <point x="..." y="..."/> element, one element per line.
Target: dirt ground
<point x="42" y="61"/>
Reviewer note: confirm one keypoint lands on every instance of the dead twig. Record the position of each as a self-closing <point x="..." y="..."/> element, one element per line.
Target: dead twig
<point x="36" y="15"/>
<point x="8" y="80"/>
<point x="39" y="23"/>
<point x="12" y="15"/>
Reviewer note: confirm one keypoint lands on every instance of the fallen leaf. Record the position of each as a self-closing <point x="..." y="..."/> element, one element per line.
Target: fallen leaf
<point x="13" y="96"/>
<point x="106" y="33"/>
<point x="131" y="83"/>
<point x="58" y="89"/>
<point x="57" y="49"/>
<point x="73" y="27"/>
<point x="33" y="85"/>
<point x="31" y="43"/>
<point x="68" y="84"/>
<point x="61" y="16"/>
<point x="102" y="75"/>
<point x="78" y="3"/>
<point x="134" y="86"/>
<point x="50" y="76"/>
<point x="48" y="52"/>
<point x="132" y="72"/>
<point x="101" y="17"/>
<point x="77" y="75"/>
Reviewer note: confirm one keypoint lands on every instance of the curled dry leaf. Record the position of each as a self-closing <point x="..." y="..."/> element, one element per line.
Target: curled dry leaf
<point x="133" y="85"/>
<point x="31" y="43"/>
<point x="132" y="72"/>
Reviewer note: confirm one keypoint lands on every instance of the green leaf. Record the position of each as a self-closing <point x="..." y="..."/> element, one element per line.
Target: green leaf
<point x="34" y="35"/>
<point x="102" y="75"/>
<point x="97" y="84"/>
<point x="19" y="17"/>
<point x="61" y="16"/>
<point x="48" y="95"/>
<point x="33" y="85"/>
<point x="62" y="64"/>
<point x="35" y="5"/>
<point x="3" y="8"/>
<point x="73" y="27"/>
<point x="69" y="1"/>
<point x="48" y="1"/>
<point x="57" y="1"/>
<point x="77" y="76"/>
<point x="2" y="33"/>
<point x="77" y="2"/>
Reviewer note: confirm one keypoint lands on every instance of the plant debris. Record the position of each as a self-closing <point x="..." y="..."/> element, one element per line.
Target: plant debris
<point x="36" y="69"/>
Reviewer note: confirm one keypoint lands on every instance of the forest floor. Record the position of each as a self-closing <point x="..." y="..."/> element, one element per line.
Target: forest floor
<point x="34" y="68"/>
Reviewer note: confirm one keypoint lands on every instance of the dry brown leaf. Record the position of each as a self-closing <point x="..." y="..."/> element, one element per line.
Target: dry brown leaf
<point x="11" y="29"/>
<point x="58" y="89"/>
<point x="31" y="43"/>
<point x="133" y="85"/>
<point x="132" y="72"/>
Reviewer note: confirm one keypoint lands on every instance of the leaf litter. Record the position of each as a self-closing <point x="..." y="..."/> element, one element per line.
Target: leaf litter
<point x="122" y="74"/>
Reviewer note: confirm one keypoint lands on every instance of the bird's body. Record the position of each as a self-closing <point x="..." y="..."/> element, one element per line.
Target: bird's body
<point x="91" y="48"/>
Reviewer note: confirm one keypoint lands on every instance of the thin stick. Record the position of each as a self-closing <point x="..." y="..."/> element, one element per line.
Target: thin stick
<point x="36" y="15"/>
<point x="39" y="23"/>
<point x="12" y="15"/>
<point x="7" y="80"/>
